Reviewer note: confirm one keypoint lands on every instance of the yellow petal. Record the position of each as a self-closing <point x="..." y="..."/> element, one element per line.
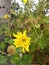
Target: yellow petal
<point x="14" y="35"/>
<point x="18" y="35"/>
<point x="27" y="48"/>
<point x="25" y="1"/>
<point x="24" y="33"/>
<point x="23" y="50"/>
<point x="22" y="40"/>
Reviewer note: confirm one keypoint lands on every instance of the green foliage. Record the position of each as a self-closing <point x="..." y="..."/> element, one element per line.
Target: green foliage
<point x="3" y="59"/>
<point x="24" y="60"/>
<point x="45" y="19"/>
<point x="15" y="59"/>
<point x="25" y="19"/>
<point x="2" y="45"/>
<point x="43" y="41"/>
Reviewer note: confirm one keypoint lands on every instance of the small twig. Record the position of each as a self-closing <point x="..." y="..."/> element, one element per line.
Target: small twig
<point x="47" y="60"/>
<point x="35" y="31"/>
<point x="2" y="52"/>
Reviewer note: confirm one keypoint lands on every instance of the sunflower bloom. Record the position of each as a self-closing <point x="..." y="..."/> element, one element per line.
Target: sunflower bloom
<point x="22" y="40"/>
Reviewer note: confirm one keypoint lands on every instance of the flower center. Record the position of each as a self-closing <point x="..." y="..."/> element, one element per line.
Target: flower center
<point x="23" y="40"/>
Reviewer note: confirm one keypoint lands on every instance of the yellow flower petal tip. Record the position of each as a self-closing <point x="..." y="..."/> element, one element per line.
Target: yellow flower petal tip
<point x="22" y="40"/>
<point x="25" y="1"/>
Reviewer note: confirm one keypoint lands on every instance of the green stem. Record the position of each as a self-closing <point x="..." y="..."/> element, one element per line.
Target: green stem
<point x="9" y="28"/>
<point x="35" y="31"/>
<point x="39" y="37"/>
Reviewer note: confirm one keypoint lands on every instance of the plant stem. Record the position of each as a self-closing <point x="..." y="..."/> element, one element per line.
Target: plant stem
<point x="9" y="29"/>
<point x="2" y="52"/>
<point x="35" y="31"/>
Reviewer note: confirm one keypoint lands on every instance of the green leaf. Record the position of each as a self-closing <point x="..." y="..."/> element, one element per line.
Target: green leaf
<point x="18" y="50"/>
<point x="32" y="47"/>
<point x="26" y="59"/>
<point x="15" y="59"/>
<point x="45" y="19"/>
<point x="43" y="41"/>
<point x="3" y="59"/>
<point x="11" y="41"/>
<point x="7" y="39"/>
<point x="2" y="45"/>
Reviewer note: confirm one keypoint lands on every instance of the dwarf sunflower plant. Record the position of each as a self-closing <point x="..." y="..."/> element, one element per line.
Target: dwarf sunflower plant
<point x="24" y="37"/>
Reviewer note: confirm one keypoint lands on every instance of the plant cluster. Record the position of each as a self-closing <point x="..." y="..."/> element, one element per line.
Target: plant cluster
<point x="24" y="38"/>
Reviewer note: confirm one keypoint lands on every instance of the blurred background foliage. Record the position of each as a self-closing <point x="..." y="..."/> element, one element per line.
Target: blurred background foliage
<point x="37" y="25"/>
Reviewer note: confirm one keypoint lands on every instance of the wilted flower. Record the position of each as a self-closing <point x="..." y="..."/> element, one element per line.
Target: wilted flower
<point x="11" y="50"/>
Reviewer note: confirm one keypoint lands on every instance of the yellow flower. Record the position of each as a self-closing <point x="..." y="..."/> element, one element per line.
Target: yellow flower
<point x="25" y="1"/>
<point x="22" y="40"/>
<point x="6" y="16"/>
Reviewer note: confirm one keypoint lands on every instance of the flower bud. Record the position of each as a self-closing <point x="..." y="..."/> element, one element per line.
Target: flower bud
<point x="37" y="26"/>
<point x="11" y="50"/>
